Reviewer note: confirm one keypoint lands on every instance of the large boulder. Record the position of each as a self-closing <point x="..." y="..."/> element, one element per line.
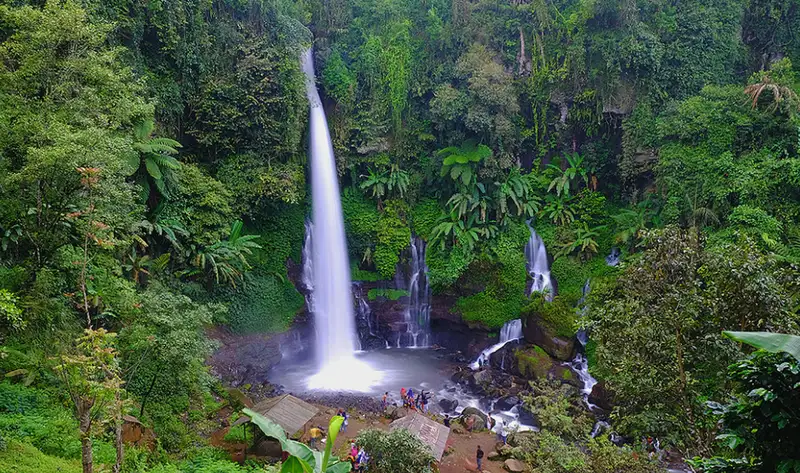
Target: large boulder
<point x="514" y="466"/>
<point x="533" y="362"/>
<point x="482" y="377"/>
<point x="600" y="396"/>
<point x="506" y="403"/>
<point x="448" y="405"/>
<point x="395" y="413"/>
<point x="471" y="411"/>
<point x="550" y="326"/>
<point x="504" y="359"/>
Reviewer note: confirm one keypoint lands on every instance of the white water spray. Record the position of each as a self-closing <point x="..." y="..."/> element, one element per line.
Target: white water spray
<point x="512" y="330"/>
<point x="332" y="294"/>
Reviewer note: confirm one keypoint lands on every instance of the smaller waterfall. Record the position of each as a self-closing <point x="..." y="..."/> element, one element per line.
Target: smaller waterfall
<point x="538" y="266"/>
<point x="580" y="364"/>
<point x="512" y="330"/>
<point x="308" y="267"/>
<point x="418" y="312"/>
<point x="308" y="260"/>
<point x="614" y="257"/>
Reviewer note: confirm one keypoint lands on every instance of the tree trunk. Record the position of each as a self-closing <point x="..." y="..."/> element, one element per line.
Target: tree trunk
<point x="85" y="426"/>
<point x="118" y="434"/>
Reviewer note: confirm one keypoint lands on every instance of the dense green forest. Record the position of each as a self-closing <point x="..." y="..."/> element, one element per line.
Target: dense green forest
<point x="153" y="185"/>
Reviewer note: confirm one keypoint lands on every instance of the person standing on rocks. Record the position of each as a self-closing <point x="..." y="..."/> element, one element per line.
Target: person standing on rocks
<point x="383" y="401"/>
<point x="479" y="458"/>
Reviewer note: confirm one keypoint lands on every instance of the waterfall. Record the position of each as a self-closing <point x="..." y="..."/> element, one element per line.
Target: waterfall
<point x="580" y="364"/>
<point x="308" y="267"/>
<point x="336" y="340"/>
<point x="538" y="266"/>
<point x="614" y="257"/>
<point x="418" y="311"/>
<point x="512" y="330"/>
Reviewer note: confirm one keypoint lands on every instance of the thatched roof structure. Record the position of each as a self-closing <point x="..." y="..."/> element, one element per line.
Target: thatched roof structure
<point x="287" y="411"/>
<point x="432" y="433"/>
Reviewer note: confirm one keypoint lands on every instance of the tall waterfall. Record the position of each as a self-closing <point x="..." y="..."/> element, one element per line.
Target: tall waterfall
<point x="512" y="330"/>
<point x="538" y="266"/>
<point x="418" y="311"/>
<point x="332" y="294"/>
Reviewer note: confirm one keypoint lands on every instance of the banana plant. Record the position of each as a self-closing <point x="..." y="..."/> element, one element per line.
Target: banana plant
<point x="771" y="342"/>
<point x="302" y="459"/>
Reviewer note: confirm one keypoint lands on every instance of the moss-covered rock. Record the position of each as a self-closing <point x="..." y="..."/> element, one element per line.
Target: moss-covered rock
<point x="533" y="362"/>
<point x="551" y="325"/>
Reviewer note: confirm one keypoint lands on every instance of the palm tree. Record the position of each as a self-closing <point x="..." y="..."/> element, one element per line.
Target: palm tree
<point x="376" y="182"/>
<point x="154" y="162"/>
<point x="226" y="260"/>
<point x="697" y="212"/>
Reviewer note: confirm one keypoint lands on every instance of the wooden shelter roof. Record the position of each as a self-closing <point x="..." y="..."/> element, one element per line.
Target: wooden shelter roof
<point x="430" y="432"/>
<point x="287" y="411"/>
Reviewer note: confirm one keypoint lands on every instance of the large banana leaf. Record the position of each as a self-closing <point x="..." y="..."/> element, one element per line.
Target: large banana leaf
<point x="302" y="459"/>
<point x="333" y="432"/>
<point x="771" y="342"/>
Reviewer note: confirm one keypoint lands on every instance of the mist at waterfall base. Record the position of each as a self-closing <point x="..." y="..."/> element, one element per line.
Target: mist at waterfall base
<point x="336" y="340"/>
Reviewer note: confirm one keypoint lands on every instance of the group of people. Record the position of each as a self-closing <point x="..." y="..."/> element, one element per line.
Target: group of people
<point x="418" y="402"/>
<point x="358" y="458"/>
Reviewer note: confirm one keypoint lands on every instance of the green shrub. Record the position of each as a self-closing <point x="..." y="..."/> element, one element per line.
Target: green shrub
<point x="358" y="274"/>
<point x="445" y="267"/>
<point x="559" y="315"/>
<point x="755" y="219"/>
<point x="487" y="309"/>
<point x="20" y="457"/>
<point x="361" y="222"/>
<point x="264" y="303"/>
<point x="282" y="236"/>
<point x="394" y="236"/>
<point x="424" y="216"/>
<point x="30" y="416"/>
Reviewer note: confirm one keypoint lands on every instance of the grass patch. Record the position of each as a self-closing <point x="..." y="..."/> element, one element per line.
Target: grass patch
<point x="18" y="457"/>
<point x="358" y="274"/>
<point x="391" y="294"/>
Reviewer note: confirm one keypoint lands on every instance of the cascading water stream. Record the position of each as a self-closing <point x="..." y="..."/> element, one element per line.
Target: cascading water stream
<point x="308" y="267"/>
<point x="538" y="265"/>
<point x="580" y="364"/>
<point x="512" y="330"/>
<point x="418" y="311"/>
<point x="332" y="294"/>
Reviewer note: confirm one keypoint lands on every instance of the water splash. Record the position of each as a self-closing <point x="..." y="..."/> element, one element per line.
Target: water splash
<point x="538" y="265"/>
<point x="512" y="330"/>
<point x="332" y="294"/>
